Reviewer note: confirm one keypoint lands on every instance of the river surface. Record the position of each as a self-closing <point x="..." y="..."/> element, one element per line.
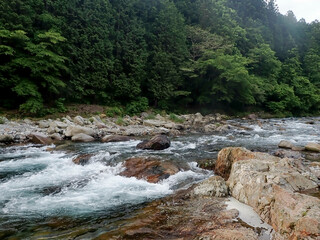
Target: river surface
<point x="44" y="195"/>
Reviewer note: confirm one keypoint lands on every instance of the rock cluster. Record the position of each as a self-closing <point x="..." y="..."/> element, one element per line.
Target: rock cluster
<point x="106" y="129"/>
<point x="271" y="185"/>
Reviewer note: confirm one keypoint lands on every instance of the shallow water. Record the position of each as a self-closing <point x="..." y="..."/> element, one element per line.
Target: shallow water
<point x="45" y="195"/>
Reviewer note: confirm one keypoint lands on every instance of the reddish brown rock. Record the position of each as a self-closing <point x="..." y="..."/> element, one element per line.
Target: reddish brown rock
<point x="82" y="159"/>
<point x="115" y="138"/>
<point x="296" y="215"/>
<point x="227" y="157"/>
<point x="183" y="216"/>
<point x="153" y="170"/>
<point x="39" y="138"/>
<point x="158" y="142"/>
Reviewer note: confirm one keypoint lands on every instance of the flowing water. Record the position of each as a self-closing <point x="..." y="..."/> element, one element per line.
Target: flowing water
<point x="43" y="194"/>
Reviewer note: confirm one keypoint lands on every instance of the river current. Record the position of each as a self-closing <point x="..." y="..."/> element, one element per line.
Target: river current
<point x="43" y="194"/>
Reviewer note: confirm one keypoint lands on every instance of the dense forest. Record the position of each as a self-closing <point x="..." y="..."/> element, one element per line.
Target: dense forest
<point x="167" y="54"/>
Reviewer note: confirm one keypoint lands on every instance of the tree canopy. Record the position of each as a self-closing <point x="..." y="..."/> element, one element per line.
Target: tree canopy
<point x="169" y="54"/>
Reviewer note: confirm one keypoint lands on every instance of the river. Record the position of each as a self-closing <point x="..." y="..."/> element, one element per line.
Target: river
<point x="43" y="194"/>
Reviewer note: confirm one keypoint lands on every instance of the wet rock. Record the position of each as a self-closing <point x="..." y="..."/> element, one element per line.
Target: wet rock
<point x="39" y="138"/>
<point x="285" y="144"/>
<point x="227" y="157"/>
<point x="81" y="137"/>
<point x="259" y="180"/>
<point x="115" y="138"/>
<point x="183" y="215"/>
<point x="74" y="130"/>
<point x="288" y="154"/>
<point x="82" y="159"/>
<point x="5" y="138"/>
<point x="313" y="147"/>
<point x="214" y="186"/>
<point x="150" y="169"/>
<point x="159" y="142"/>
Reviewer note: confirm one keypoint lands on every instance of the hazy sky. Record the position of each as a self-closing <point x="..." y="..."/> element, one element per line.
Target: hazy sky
<point x="307" y="9"/>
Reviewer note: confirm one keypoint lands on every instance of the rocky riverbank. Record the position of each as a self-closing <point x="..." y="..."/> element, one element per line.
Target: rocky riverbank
<point x="101" y="128"/>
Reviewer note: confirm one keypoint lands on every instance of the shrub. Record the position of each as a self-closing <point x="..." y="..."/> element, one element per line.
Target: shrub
<point x="114" y="111"/>
<point x="136" y="107"/>
<point x="175" y="118"/>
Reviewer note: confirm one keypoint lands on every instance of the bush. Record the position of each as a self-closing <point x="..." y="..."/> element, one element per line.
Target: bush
<point x="120" y="121"/>
<point x="136" y="107"/>
<point x="175" y="118"/>
<point x="114" y="111"/>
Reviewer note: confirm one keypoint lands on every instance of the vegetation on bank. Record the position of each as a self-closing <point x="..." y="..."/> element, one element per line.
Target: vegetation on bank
<point x="172" y="55"/>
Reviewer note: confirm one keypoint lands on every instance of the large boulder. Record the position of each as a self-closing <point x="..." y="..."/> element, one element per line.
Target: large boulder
<point x="257" y="180"/>
<point x="81" y="137"/>
<point x="115" y="138"/>
<point x="150" y="169"/>
<point x="158" y="142"/>
<point x="39" y="138"/>
<point x="74" y="130"/>
<point x="313" y="147"/>
<point x="213" y="186"/>
<point x="227" y="156"/>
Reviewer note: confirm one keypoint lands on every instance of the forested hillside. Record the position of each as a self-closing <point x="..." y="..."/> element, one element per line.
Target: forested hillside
<point x="168" y="54"/>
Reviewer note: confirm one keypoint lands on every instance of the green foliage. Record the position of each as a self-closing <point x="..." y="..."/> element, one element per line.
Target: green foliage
<point x="120" y="121"/>
<point x="114" y="111"/>
<point x="175" y="118"/>
<point x="136" y="107"/>
<point x="59" y="105"/>
<point x="170" y="54"/>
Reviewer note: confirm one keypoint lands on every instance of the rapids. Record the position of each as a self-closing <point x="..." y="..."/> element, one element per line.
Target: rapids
<point x="43" y="194"/>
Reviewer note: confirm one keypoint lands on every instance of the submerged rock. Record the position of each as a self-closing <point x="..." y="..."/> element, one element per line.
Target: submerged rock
<point x="159" y="142"/>
<point x="82" y="159"/>
<point x="150" y="169"/>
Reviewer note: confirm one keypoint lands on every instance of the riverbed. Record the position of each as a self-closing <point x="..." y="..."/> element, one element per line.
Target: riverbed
<point x="45" y="195"/>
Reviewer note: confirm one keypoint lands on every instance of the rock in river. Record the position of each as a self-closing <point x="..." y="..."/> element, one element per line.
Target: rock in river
<point x="313" y="147"/>
<point x="153" y="170"/>
<point x="158" y="142"/>
<point x="115" y="138"/>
